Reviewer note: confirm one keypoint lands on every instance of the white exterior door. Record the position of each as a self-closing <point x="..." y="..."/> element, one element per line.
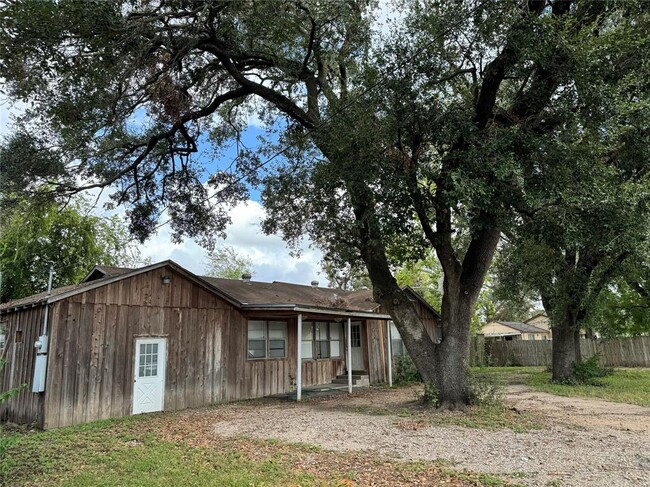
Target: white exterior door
<point x="149" y="383"/>
<point x="357" y="349"/>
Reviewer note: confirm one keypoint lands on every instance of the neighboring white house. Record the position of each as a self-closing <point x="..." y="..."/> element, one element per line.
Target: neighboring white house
<point x="513" y="330"/>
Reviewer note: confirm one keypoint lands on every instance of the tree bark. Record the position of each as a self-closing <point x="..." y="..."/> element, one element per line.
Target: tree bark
<point x="452" y="354"/>
<point x="564" y="353"/>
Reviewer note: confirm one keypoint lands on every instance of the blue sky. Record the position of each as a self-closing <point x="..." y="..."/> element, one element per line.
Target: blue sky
<point x="270" y="255"/>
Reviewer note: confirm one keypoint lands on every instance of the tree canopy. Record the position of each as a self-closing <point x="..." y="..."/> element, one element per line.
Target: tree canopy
<point x="428" y="139"/>
<point x="227" y="263"/>
<point x="37" y="236"/>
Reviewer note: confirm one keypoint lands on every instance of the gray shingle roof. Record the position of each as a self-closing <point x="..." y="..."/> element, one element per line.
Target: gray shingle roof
<point x="522" y="327"/>
<point x="275" y="293"/>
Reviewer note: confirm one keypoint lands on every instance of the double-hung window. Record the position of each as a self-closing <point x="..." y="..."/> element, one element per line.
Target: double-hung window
<point x="267" y="339"/>
<point x="321" y="339"/>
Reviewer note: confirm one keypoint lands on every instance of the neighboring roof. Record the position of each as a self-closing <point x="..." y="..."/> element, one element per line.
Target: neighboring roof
<point x="521" y="327"/>
<point x="101" y="271"/>
<point x="260" y="294"/>
<point x="536" y="315"/>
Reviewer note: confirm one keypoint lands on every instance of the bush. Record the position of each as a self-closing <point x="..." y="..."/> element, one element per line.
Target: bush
<point x="405" y="371"/>
<point x="589" y="371"/>
<point x="484" y="390"/>
<point x="430" y="394"/>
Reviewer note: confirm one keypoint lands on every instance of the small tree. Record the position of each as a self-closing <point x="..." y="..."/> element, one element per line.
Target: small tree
<point x="37" y="236"/>
<point x="227" y="263"/>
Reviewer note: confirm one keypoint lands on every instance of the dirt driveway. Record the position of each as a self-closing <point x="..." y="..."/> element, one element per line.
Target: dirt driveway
<point x="584" y="442"/>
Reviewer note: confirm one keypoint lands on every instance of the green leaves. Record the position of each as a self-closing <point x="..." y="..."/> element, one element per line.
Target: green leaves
<point x="37" y="236"/>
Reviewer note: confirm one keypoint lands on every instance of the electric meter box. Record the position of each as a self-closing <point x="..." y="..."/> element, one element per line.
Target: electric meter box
<point x="40" y="370"/>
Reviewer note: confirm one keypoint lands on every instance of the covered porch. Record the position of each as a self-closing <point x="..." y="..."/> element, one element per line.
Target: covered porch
<point x="330" y="350"/>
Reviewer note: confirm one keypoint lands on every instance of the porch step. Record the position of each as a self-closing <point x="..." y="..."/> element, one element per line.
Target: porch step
<point x="357" y="379"/>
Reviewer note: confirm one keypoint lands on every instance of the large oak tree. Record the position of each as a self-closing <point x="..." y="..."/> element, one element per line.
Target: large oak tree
<point x="395" y="147"/>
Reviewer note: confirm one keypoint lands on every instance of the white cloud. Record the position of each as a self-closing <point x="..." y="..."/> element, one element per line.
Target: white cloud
<point x="270" y="255"/>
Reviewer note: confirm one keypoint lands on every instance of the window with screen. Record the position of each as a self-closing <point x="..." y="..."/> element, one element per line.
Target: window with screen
<point x="321" y="339"/>
<point x="267" y="339"/>
<point x="321" y="330"/>
<point x="277" y="339"/>
<point x="307" y="340"/>
<point x="335" y="339"/>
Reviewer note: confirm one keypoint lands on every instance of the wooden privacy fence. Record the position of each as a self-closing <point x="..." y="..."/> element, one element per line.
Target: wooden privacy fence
<point x="615" y="352"/>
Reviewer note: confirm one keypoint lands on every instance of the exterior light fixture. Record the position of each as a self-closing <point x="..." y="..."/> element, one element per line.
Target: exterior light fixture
<point x="166" y="279"/>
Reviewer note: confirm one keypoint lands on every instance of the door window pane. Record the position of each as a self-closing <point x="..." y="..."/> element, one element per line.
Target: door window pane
<point x="148" y="365"/>
<point x="355" y="335"/>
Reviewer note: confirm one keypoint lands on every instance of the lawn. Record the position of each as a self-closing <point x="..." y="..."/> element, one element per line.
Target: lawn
<point x="178" y="449"/>
<point x="625" y="385"/>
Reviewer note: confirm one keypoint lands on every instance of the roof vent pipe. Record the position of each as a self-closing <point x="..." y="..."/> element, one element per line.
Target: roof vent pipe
<point x="246" y="277"/>
<point x="314" y="283"/>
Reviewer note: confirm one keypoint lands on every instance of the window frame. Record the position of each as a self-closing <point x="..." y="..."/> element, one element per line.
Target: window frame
<point x="315" y="342"/>
<point x="267" y="339"/>
<point x="4" y="330"/>
<point x="397" y="347"/>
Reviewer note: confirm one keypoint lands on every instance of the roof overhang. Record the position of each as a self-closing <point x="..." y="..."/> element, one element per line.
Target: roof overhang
<point x="316" y="310"/>
<point x="505" y="334"/>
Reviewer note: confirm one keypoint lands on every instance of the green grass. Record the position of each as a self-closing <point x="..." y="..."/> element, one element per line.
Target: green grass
<point x="630" y="386"/>
<point x="172" y="449"/>
<point x="488" y="417"/>
<point x="107" y="454"/>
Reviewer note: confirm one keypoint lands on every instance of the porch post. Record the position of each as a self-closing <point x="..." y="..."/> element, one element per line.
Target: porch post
<point x="390" y="354"/>
<point x="299" y="363"/>
<point x="349" y="335"/>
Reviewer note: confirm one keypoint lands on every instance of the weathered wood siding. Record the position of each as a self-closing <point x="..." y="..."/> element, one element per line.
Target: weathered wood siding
<point x="26" y="407"/>
<point x="264" y="377"/>
<point x="429" y="318"/>
<point x="92" y="346"/>
<point x="377" y="351"/>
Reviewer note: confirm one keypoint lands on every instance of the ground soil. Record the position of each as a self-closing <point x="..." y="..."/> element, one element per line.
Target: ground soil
<point x="583" y="442"/>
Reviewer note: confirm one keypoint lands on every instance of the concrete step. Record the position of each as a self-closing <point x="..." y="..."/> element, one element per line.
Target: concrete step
<point x="362" y="381"/>
<point x="354" y="376"/>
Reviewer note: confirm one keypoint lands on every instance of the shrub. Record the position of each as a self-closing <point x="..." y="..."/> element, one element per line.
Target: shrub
<point x="405" y="371"/>
<point x="589" y="371"/>
<point x="430" y="394"/>
<point x="484" y="390"/>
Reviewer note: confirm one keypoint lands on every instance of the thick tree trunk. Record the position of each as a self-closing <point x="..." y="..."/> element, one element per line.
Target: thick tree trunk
<point x="564" y="352"/>
<point x="576" y="341"/>
<point x="452" y="354"/>
<point x="566" y="344"/>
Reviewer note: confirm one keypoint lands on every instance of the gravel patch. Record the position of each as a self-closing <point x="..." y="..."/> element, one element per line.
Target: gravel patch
<point x="587" y="442"/>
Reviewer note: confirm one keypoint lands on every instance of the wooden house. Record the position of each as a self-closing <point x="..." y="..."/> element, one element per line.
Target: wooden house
<point x="159" y="338"/>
